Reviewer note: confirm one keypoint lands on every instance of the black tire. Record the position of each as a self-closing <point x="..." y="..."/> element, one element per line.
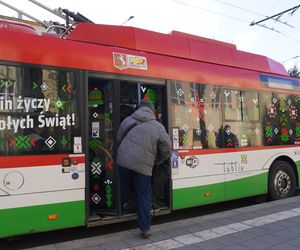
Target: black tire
<point x="282" y="181"/>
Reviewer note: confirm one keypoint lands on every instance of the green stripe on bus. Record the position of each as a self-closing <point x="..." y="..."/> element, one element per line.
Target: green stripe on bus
<point x="298" y="172"/>
<point x="33" y="219"/>
<point x="250" y="186"/>
<point x="195" y="196"/>
<point x="207" y="194"/>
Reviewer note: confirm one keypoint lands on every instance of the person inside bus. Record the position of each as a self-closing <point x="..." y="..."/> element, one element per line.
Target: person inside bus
<point x="226" y="138"/>
<point x="143" y="142"/>
<point x="36" y="138"/>
<point x="125" y="110"/>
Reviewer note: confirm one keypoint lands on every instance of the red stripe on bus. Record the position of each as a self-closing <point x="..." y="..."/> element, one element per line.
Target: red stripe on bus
<point x="36" y="160"/>
<point x="229" y="150"/>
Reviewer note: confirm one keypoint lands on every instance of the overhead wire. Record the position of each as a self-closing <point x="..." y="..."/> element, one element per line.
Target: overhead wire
<point x="240" y="8"/>
<point x="236" y="18"/>
<point x="275" y="4"/>
<point x="211" y="11"/>
<point x="257" y="13"/>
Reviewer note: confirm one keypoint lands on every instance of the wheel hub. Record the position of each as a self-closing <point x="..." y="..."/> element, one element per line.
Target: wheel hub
<point x="282" y="183"/>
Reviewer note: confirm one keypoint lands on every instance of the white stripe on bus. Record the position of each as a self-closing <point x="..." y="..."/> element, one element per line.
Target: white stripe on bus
<point x="28" y="200"/>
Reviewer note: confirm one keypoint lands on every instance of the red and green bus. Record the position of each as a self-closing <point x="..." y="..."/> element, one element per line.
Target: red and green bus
<point x="233" y="117"/>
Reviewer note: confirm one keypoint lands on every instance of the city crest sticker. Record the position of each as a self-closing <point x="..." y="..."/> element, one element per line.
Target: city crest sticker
<point x="124" y="61"/>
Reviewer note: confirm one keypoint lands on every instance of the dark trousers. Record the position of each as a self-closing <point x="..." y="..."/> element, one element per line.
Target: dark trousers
<point x="143" y="190"/>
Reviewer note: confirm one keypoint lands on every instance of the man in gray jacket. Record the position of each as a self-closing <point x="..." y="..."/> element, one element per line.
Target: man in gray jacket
<point x="143" y="142"/>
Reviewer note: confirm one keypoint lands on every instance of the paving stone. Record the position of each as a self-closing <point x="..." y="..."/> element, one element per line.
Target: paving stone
<point x="294" y="229"/>
<point x="168" y="244"/>
<point x="209" y="224"/>
<point x="188" y="239"/>
<point x="228" y="240"/>
<point x="209" y="245"/>
<point x="92" y="248"/>
<point x="286" y="234"/>
<point x="243" y="235"/>
<point x="98" y="240"/>
<point x="255" y="244"/>
<point x="207" y="235"/>
<point x="194" y="228"/>
<point x="295" y="242"/>
<point x="70" y="245"/>
<point x="236" y="247"/>
<point x="241" y="217"/>
<point x="137" y="241"/>
<point x="226" y="221"/>
<point x="270" y="239"/>
<point x="224" y="230"/>
<point x="191" y="247"/>
<point x="47" y="247"/>
<point x="274" y="227"/>
<point x="176" y="232"/>
<point x="158" y="236"/>
<point x="239" y="226"/>
<point x="285" y="246"/>
<point x="116" y="245"/>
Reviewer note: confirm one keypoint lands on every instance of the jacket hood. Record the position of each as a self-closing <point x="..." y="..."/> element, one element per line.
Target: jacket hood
<point x="143" y="114"/>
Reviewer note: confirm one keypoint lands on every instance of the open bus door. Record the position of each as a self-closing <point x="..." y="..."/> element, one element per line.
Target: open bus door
<point x="110" y="100"/>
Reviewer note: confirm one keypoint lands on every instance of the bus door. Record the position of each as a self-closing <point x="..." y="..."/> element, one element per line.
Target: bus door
<point x="101" y="113"/>
<point x="131" y="93"/>
<point x="109" y="102"/>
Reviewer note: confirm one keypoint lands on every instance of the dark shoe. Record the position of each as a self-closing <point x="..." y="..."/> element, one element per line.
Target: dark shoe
<point x="146" y="234"/>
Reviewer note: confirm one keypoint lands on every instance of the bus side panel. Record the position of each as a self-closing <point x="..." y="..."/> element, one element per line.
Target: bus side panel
<point x="247" y="172"/>
<point x="197" y="195"/>
<point x="207" y="178"/>
<point x="298" y="172"/>
<point x="196" y="179"/>
<point x="41" y="193"/>
<point x="249" y="186"/>
<point x="24" y="220"/>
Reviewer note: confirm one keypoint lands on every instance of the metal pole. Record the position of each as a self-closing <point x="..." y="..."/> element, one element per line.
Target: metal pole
<point x="23" y="13"/>
<point x="276" y="16"/>
<point x="131" y="17"/>
<point x="55" y="12"/>
<point x="295" y="57"/>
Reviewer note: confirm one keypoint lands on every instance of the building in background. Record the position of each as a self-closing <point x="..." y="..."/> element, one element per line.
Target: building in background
<point x="36" y="25"/>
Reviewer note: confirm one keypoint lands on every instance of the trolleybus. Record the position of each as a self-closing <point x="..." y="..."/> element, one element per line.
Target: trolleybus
<point x="233" y="117"/>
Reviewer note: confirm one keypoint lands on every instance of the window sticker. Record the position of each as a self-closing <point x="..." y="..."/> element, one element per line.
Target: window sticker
<point x="175" y="138"/>
<point x="95" y="129"/>
<point x="30" y="121"/>
<point x="77" y="145"/>
<point x="95" y="98"/>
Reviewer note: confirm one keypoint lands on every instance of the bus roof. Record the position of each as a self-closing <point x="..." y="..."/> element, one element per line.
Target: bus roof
<point x="175" y="44"/>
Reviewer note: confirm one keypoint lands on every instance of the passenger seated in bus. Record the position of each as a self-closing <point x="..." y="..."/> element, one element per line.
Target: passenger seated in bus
<point x="37" y="140"/>
<point x="226" y="139"/>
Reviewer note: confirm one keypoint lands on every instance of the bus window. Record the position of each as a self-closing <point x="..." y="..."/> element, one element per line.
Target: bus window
<point x="196" y="115"/>
<point x="250" y="106"/>
<point x="128" y="99"/>
<point x="241" y="127"/>
<point x="281" y="124"/>
<point x="240" y="134"/>
<point x="39" y="111"/>
<point x="232" y="105"/>
<point x="241" y="105"/>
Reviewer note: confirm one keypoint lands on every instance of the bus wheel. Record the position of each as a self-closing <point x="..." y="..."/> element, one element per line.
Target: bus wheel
<point x="282" y="181"/>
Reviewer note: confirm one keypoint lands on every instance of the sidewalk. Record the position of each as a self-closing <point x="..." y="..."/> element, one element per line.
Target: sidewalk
<point x="273" y="225"/>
